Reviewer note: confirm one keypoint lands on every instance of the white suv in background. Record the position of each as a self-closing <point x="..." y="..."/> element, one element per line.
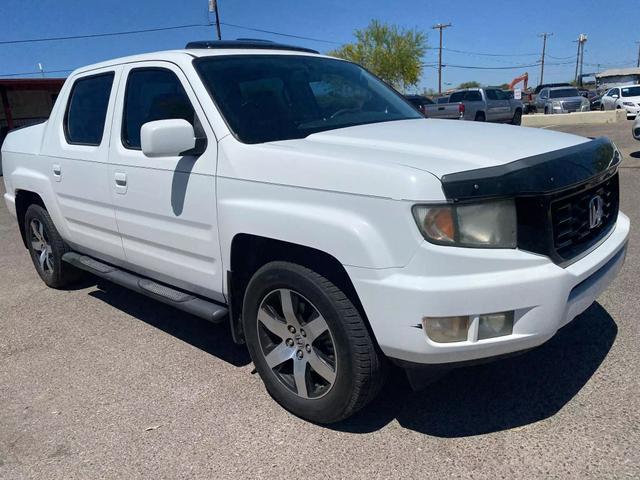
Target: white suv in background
<point x="627" y="97"/>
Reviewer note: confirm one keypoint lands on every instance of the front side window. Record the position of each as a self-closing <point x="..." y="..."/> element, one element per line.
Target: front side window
<point x="267" y="98"/>
<point x="152" y="94"/>
<point x="87" y="109"/>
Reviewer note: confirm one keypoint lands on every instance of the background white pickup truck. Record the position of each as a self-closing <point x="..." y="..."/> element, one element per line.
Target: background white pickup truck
<point x="303" y="201"/>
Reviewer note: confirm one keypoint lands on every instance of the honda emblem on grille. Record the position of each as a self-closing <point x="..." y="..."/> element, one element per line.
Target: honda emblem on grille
<point x="596" y="212"/>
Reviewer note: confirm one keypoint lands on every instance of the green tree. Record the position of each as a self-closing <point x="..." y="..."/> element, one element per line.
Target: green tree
<point x="472" y="84"/>
<point x="392" y="53"/>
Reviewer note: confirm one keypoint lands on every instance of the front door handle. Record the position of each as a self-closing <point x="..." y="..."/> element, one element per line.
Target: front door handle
<point x="121" y="182"/>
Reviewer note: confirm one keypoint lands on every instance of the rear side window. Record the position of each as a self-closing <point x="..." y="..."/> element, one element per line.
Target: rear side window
<point x="473" y="96"/>
<point x="87" y="109"/>
<point x="457" y="97"/>
<point x="152" y="94"/>
<point x="491" y="94"/>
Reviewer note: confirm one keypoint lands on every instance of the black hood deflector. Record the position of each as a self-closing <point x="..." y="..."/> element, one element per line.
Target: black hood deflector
<point x="539" y="174"/>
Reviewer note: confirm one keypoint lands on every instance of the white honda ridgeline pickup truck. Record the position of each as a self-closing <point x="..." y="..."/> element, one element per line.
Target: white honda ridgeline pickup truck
<point x="303" y="201"/>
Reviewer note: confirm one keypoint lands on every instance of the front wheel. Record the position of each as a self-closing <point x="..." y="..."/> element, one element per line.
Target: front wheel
<point x="309" y="343"/>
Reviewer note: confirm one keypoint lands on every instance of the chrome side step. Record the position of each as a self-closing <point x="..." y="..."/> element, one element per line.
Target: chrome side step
<point x="187" y="302"/>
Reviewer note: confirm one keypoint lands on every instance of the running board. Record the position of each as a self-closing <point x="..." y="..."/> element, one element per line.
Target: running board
<point x="197" y="306"/>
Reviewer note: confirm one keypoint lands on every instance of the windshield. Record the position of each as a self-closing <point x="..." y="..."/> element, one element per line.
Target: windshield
<point x="631" y="91"/>
<point x="276" y="97"/>
<point x="564" y="92"/>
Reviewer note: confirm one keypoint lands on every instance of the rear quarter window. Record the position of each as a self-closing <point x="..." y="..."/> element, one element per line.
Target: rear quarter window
<point x="87" y="109"/>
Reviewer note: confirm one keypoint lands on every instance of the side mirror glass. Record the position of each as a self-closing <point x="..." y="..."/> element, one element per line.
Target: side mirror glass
<point x="168" y="138"/>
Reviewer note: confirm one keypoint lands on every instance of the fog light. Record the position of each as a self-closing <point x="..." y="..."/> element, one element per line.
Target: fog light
<point x="494" y="325"/>
<point x="446" y="329"/>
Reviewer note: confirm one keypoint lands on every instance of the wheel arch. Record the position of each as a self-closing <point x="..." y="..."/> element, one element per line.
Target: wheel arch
<point x="25" y="198"/>
<point x="250" y="252"/>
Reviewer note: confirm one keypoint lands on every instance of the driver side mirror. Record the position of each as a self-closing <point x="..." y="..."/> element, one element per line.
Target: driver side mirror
<point x="614" y="96"/>
<point x="169" y="138"/>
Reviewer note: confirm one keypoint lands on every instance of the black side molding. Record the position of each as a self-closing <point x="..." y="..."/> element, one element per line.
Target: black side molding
<point x="184" y="301"/>
<point x="545" y="173"/>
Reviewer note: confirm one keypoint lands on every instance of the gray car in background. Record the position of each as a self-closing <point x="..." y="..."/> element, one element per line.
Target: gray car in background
<point x="479" y="104"/>
<point x="561" y="100"/>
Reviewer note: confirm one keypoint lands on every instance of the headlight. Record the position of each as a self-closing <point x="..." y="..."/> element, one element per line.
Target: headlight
<point x="490" y="224"/>
<point x="556" y="105"/>
<point x="628" y="104"/>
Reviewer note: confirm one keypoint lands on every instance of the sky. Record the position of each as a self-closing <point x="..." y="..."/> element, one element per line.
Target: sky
<point x="507" y="30"/>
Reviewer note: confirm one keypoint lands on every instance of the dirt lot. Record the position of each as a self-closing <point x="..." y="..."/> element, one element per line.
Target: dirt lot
<point x="98" y="382"/>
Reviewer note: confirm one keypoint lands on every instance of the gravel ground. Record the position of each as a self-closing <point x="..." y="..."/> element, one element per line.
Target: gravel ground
<point x="99" y="382"/>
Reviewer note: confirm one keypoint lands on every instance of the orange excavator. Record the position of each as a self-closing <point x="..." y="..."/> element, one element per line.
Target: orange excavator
<point x="522" y="78"/>
<point x="527" y="97"/>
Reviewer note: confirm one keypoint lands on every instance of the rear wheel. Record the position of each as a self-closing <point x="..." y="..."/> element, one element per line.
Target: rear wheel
<point x="309" y="343"/>
<point x="46" y="248"/>
<point x="480" y="117"/>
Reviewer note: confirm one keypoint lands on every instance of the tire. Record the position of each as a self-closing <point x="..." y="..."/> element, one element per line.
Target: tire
<point x="602" y="108"/>
<point x="46" y="248"/>
<point x="517" y="118"/>
<point x="546" y="111"/>
<point x="480" y="117"/>
<point x="355" y="372"/>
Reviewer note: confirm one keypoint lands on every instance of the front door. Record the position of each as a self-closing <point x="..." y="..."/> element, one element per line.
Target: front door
<point x="165" y="207"/>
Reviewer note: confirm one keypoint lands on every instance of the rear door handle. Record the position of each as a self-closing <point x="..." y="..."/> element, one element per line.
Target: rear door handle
<point x="57" y="172"/>
<point x="121" y="182"/>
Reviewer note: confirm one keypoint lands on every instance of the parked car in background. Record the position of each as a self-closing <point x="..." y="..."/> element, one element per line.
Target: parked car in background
<point x="479" y="104"/>
<point x="440" y="100"/>
<point x="419" y="101"/>
<point x="561" y="100"/>
<point x="627" y="97"/>
<point x="636" y="128"/>
<point x="594" y="100"/>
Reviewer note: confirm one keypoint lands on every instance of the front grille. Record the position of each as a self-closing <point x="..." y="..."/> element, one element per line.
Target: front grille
<point x="559" y="225"/>
<point x="572" y="106"/>
<point x="571" y="220"/>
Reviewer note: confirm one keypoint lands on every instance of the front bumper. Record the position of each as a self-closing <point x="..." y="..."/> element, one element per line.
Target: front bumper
<point x="632" y="112"/>
<point x="445" y="281"/>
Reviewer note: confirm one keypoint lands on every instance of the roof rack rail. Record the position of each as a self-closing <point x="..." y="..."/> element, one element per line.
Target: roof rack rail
<point x="247" y="43"/>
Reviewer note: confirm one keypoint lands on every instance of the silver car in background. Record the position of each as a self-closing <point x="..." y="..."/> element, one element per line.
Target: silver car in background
<point x="561" y="100"/>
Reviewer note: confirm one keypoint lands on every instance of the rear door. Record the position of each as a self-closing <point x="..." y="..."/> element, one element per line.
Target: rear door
<point x="165" y="206"/>
<point x="495" y="107"/>
<point x="505" y="113"/>
<point x="78" y="146"/>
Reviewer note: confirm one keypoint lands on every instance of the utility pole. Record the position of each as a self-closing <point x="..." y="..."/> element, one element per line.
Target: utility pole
<point x="582" y="38"/>
<point x="638" y="64"/>
<point x="544" y="49"/>
<point x="440" y="26"/>
<point x="213" y="8"/>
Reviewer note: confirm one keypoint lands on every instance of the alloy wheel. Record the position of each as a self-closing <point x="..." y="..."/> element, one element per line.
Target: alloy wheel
<point x="41" y="246"/>
<point x="296" y="343"/>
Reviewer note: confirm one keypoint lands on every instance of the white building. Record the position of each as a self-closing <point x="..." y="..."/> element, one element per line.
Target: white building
<point x="617" y="77"/>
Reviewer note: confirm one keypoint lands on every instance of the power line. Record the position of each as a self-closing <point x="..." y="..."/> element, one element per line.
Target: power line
<point x="34" y="73"/>
<point x="107" y="34"/>
<point x="490" y="54"/>
<point x="271" y="32"/>
<point x="512" y="67"/>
